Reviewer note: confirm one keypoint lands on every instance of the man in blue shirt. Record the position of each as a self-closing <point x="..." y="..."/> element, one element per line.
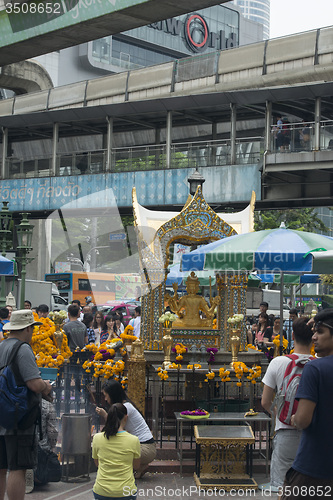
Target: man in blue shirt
<point x="311" y="474"/>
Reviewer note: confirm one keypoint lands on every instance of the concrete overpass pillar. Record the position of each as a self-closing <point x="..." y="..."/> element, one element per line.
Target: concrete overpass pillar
<point x="317" y="123"/>
<point x="44" y="229"/>
<point x="168" y="139"/>
<point x="268" y="124"/>
<point x="214" y="131"/>
<point x="233" y="122"/>
<point x="55" y="139"/>
<point x="109" y="142"/>
<point x="4" y="151"/>
<point x="157" y="142"/>
<point x="213" y="148"/>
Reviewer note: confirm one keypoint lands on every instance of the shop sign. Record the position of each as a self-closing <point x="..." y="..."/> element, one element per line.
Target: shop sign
<point x="196" y="33"/>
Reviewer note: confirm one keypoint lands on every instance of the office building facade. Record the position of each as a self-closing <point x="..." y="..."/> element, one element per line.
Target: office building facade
<point x="207" y="30"/>
<point x="256" y="10"/>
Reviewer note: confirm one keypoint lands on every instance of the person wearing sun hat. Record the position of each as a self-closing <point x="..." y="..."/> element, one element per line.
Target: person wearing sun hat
<point x="12" y="445"/>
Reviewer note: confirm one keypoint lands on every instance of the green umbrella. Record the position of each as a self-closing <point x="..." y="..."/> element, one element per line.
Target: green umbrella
<point x="269" y="251"/>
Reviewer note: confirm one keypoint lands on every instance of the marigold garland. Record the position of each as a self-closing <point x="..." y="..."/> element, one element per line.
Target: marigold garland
<point x="179" y="349"/>
<point x="44" y="345"/>
<point x="276" y="341"/>
<point x="126" y="335"/>
<point x="175" y="366"/>
<point x="240" y="368"/>
<point x="209" y="376"/>
<point x="251" y="346"/>
<point x="254" y="372"/>
<point x="101" y="364"/>
<point x="224" y="375"/>
<point x="163" y="374"/>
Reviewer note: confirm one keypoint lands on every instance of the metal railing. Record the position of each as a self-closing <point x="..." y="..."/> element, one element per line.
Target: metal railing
<point x="139" y="158"/>
<point x="297" y="137"/>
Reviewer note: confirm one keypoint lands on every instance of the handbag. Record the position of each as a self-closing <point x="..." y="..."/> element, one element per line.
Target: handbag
<point x="48" y="467"/>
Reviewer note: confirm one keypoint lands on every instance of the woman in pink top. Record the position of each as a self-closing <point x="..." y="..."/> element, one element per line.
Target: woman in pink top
<point x="260" y="336"/>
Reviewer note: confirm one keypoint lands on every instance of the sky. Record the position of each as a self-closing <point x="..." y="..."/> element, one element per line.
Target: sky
<point x="294" y="16"/>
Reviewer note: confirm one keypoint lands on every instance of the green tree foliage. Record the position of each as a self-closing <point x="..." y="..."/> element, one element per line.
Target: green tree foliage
<point x="303" y="219"/>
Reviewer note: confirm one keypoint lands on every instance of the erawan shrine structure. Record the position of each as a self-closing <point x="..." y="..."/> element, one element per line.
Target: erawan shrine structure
<point x="196" y="224"/>
<point x="210" y="334"/>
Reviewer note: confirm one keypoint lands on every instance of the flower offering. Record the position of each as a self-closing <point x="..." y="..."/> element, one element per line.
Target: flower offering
<point x="235" y="319"/>
<point x="167" y="319"/>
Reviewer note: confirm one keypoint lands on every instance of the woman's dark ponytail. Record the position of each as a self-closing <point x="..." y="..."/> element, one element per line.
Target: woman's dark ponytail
<point x="115" y="415"/>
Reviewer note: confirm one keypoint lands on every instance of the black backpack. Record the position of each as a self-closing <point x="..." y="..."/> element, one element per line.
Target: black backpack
<point x="20" y="407"/>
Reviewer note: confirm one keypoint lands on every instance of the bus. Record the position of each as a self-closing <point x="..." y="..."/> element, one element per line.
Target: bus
<point x="102" y="287"/>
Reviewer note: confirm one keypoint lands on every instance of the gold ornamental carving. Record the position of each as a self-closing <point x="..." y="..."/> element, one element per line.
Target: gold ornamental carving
<point x="235" y="344"/>
<point x="195" y="224"/>
<point x="167" y="345"/>
<point x="58" y="337"/>
<point x="137" y="376"/>
<point x="137" y="351"/>
<point x="224" y="460"/>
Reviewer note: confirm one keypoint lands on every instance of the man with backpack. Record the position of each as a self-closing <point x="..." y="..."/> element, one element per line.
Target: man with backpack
<point x="17" y="440"/>
<point x="281" y="378"/>
<point x="311" y="474"/>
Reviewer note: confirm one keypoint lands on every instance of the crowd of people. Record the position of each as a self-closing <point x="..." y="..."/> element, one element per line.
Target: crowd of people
<point x="125" y="441"/>
<point x="263" y="329"/>
<point x="83" y="326"/>
<point x="125" y="446"/>
<point x="300" y="465"/>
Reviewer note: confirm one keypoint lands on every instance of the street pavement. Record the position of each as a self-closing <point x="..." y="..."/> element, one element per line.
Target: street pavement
<point x="152" y="486"/>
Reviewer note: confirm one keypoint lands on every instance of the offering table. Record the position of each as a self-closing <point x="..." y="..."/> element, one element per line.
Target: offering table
<point x="224" y="457"/>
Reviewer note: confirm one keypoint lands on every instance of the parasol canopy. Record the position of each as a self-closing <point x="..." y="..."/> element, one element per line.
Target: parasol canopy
<point x="274" y="251"/>
<point x="289" y="279"/>
<point x="6" y="267"/>
<point x="177" y="276"/>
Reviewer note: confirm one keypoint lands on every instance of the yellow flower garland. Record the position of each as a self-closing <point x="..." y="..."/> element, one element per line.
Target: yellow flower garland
<point x="224" y="375"/>
<point x="196" y="366"/>
<point x="240" y="368"/>
<point x="163" y="374"/>
<point x="106" y="369"/>
<point x="276" y="341"/>
<point x="254" y="372"/>
<point x="209" y="376"/>
<point x="180" y="350"/>
<point x="44" y="345"/>
<point x="174" y="366"/>
<point x="126" y="335"/>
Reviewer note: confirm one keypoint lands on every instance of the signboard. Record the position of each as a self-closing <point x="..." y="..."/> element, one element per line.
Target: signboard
<point x="62" y="280"/>
<point x="62" y="267"/>
<point x="117" y="236"/>
<point x="178" y="251"/>
<point x="104" y="190"/>
<point x="127" y="287"/>
<point x="196" y="34"/>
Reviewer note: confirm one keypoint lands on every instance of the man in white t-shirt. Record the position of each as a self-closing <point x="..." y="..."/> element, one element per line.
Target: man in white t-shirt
<point x="286" y="439"/>
<point x="137" y="321"/>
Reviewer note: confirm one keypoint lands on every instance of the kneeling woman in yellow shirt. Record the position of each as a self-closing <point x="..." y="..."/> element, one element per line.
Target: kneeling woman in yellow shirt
<point x="115" y="453"/>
